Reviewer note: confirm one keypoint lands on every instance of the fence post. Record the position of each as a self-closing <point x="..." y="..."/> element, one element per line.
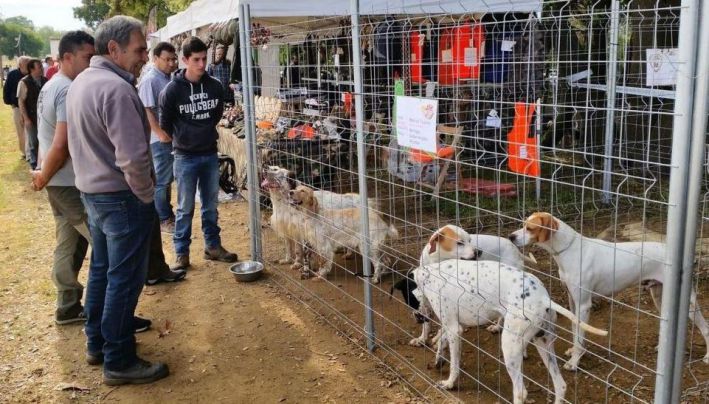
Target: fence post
<point x="250" y="128"/>
<point x="361" y="172"/>
<point x="696" y="166"/>
<point x="677" y="206"/>
<point x="611" y="74"/>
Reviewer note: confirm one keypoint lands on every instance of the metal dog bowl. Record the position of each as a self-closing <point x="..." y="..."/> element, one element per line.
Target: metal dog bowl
<point x="246" y="271"/>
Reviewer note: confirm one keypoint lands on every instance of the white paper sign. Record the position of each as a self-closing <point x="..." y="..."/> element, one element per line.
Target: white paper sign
<point x="507" y="46"/>
<point x="661" y="66"/>
<point x="447" y="56"/>
<point x="430" y="88"/>
<point x="523" y="152"/>
<point x="337" y="60"/>
<point x="470" y="57"/>
<point x="493" y="120"/>
<point x="416" y="120"/>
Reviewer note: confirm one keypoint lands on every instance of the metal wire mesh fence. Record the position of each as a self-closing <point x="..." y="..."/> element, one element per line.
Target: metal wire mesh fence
<point x="370" y="132"/>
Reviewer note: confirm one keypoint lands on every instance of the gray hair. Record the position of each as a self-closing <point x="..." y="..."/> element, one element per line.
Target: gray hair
<point x="119" y="29"/>
<point x="23" y="59"/>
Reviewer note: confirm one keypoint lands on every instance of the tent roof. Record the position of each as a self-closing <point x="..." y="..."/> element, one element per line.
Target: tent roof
<point x="205" y="12"/>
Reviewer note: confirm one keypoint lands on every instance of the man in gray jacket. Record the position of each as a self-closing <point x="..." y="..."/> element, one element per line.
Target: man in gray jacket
<point x="108" y="135"/>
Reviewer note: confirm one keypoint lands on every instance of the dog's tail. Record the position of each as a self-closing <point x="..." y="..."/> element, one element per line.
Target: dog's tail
<point x="566" y="313"/>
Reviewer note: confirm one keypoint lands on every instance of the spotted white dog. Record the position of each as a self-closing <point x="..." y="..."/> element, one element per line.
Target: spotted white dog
<point x="471" y="293"/>
<point x="453" y="242"/>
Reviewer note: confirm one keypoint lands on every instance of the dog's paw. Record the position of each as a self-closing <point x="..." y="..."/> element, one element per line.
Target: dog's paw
<point x="434" y="340"/>
<point x="446" y="384"/>
<point x="375" y="280"/>
<point x="571" y="365"/>
<point x="525" y="355"/>
<point x="569" y="351"/>
<point x="348" y="254"/>
<point x="494" y="328"/>
<point x="418" y="342"/>
<point x="296" y="266"/>
<point x="706" y="358"/>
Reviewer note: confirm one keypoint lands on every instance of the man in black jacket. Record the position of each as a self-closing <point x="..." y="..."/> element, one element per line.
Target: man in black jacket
<point x="190" y="107"/>
<point x="9" y="96"/>
<point x="27" y="94"/>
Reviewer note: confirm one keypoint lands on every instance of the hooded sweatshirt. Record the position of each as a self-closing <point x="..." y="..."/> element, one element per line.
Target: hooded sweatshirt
<point x="108" y="132"/>
<point x="189" y="112"/>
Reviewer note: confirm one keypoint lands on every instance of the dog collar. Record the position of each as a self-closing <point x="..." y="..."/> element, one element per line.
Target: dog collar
<point x="556" y="253"/>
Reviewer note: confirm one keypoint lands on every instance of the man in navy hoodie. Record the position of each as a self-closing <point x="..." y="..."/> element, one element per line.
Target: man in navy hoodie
<point x="190" y="108"/>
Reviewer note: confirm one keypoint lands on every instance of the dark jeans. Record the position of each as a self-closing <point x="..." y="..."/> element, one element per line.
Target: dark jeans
<point x="157" y="267"/>
<point x="121" y="227"/>
<point x="162" y="161"/>
<point x="191" y="172"/>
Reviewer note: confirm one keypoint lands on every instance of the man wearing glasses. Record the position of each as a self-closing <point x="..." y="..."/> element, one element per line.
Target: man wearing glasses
<point x="149" y="88"/>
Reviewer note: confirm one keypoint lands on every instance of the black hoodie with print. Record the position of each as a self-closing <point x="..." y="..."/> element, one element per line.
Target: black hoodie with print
<point x="189" y="112"/>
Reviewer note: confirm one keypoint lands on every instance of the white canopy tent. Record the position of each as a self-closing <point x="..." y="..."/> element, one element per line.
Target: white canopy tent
<point x="205" y="12"/>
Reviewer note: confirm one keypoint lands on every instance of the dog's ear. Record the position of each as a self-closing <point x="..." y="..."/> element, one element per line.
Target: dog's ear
<point x="549" y="225"/>
<point x="314" y="202"/>
<point x="433" y="241"/>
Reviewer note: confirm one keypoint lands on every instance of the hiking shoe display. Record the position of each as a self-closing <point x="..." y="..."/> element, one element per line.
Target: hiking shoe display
<point x="220" y="254"/>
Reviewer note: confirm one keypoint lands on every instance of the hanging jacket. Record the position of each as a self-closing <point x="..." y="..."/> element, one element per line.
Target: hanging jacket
<point x="189" y="112"/>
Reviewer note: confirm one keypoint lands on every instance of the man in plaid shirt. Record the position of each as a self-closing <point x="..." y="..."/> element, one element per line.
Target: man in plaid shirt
<point x="221" y="70"/>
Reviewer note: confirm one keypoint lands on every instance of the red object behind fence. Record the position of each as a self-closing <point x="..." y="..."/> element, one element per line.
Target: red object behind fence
<point x="459" y="52"/>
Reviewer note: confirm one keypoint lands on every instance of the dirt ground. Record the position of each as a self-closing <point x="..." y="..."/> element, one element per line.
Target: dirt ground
<point x="226" y="342"/>
<point x="232" y="342"/>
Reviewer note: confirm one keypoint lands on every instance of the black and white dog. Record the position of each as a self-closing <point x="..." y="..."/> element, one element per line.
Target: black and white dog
<point x="471" y="293"/>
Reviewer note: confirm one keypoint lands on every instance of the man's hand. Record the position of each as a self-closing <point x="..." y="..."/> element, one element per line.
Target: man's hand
<point x="38" y="180"/>
<point x="163" y="137"/>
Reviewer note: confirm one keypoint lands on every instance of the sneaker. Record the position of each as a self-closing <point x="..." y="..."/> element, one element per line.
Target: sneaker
<point x="94" y="359"/>
<point x="181" y="262"/>
<point x="74" y="315"/>
<point x="220" y="254"/>
<point x="140" y="373"/>
<point x="141" y="324"/>
<point x="168" y="226"/>
<point x="169" y="276"/>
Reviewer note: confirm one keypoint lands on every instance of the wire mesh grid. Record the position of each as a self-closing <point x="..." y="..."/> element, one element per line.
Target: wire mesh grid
<point x="512" y="90"/>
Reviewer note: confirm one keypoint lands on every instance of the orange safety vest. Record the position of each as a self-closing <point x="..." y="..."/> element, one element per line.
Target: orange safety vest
<point x="523" y="156"/>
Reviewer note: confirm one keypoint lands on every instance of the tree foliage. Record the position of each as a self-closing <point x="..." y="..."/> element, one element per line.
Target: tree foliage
<point x="92" y="12"/>
<point x="19" y="31"/>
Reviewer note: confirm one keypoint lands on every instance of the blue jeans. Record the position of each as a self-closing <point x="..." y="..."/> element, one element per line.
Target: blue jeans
<point x="120" y="226"/>
<point x="162" y="161"/>
<point x="192" y="172"/>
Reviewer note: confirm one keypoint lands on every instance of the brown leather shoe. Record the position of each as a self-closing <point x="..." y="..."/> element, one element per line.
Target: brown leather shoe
<point x="181" y="262"/>
<point x="220" y="254"/>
